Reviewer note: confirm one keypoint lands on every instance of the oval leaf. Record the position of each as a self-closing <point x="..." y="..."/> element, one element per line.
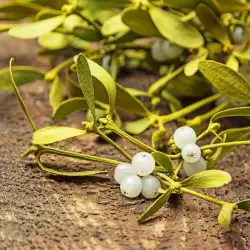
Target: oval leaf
<point x="87" y="33"/>
<point x="85" y="82"/>
<point x="68" y="107"/>
<point x="164" y="161"/>
<point x="56" y="93"/>
<point x="227" y="81"/>
<point x="243" y="55"/>
<point x="53" y="41"/>
<point x="137" y="127"/>
<point x="173" y="29"/>
<point x="207" y="179"/>
<point x="53" y="134"/>
<point x="22" y="75"/>
<point x="213" y="24"/>
<point x="244" y="205"/>
<point x="155" y="206"/>
<point x="225" y="215"/>
<point x="140" y="22"/>
<point x="36" y="29"/>
<point x="114" y="25"/>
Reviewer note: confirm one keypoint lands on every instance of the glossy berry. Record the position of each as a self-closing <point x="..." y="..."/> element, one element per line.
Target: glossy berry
<point x="183" y="136"/>
<point x="150" y="186"/>
<point x="162" y="51"/>
<point x="143" y="163"/>
<point x="239" y="35"/>
<point x="191" y="153"/>
<point x="194" y="168"/>
<point x="131" y="186"/>
<point x="123" y="170"/>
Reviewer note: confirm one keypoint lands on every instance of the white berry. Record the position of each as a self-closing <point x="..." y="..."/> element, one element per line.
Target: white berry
<point x="191" y="153"/>
<point x="123" y="170"/>
<point x="239" y="35"/>
<point x="183" y="136"/>
<point x="131" y="186"/>
<point x="143" y="163"/>
<point x="150" y="186"/>
<point x="194" y="168"/>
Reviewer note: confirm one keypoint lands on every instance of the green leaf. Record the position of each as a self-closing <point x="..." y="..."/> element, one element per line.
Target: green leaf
<point x="164" y="161"/>
<point x="227" y="81"/>
<point x="207" y="179"/>
<point x="128" y="102"/>
<point x="5" y="27"/>
<point x="22" y="75"/>
<point x="213" y="24"/>
<point x="244" y="205"/>
<point x="242" y="111"/>
<point x="53" y="134"/>
<point x="87" y="33"/>
<point x="98" y="112"/>
<point x="47" y="13"/>
<point x="137" y="127"/>
<point x="225" y="215"/>
<point x="114" y="25"/>
<point x="192" y="67"/>
<point x="193" y="86"/>
<point x="56" y="93"/>
<point x="173" y="29"/>
<point x="155" y="206"/>
<point x="17" y="11"/>
<point x="233" y="6"/>
<point x="234" y="134"/>
<point x="191" y="4"/>
<point x="157" y="137"/>
<point x="53" y="41"/>
<point x="140" y="22"/>
<point x="68" y="107"/>
<point x="104" y="4"/>
<point x="36" y="29"/>
<point x="233" y="63"/>
<point x="243" y="55"/>
<point x="85" y="82"/>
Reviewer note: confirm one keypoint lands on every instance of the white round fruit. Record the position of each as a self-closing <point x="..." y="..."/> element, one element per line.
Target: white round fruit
<point x="191" y="153"/>
<point x="131" y="186"/>
<point x="183" y="136"/>
<point x="194" y="168"/>
<point x="150" y="186"/>
<point x="239" y="35"/>
<point x="123" y="170"/>
<point x="143" y="163"/>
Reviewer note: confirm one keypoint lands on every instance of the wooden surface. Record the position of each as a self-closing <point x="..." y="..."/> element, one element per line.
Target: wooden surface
<point x="38" y="211"/>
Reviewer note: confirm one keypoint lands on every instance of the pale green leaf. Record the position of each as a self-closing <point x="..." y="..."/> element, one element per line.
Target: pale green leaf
<point x="36" y="29"/>
<point x="53" y="41"/>
<point x="243" y="55"/>
<point x="137" y="127"/>
<point x="225" y="215"/>
<point x="244" y="205"/>
<point x="5" y="27"/>
<point x="104" y="4"/>
<point x="56" y="93"/>
<point x="153" y="208"/>
<point x="87" y="33"/>
<point x="176" y="31"/>
<point x="53" y="134"/>
<point x="140" y="22"/>
<point x="68" y="107"/>
<point x="227" y="81"/>
<point x="207" y="179"/>
<point x="233" y="63"/>
<point x="22" y="75"/>
<point x="99" y="113"/>
<point x="85" y="82"/>
<point x="164" y="161"/>
<point x="192" y="67"/>
<point x="114" y="25"/>
<point x="213" y="24"/>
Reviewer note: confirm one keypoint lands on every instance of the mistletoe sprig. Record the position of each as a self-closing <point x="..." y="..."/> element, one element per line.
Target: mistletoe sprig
<point x="90" y="73"/>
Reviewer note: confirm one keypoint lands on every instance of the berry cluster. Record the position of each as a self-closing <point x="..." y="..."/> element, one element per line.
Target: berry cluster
<point x="135" y="178"/>
<point x="185" y="139"/>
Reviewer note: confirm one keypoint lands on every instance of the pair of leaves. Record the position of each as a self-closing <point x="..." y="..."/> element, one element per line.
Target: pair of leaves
<point x="87" y="71"/>
<point x="36" y="29"/>
<point x="160" y="23"/>
<point x="227" y="81"/>
<point x="22" y="75"/>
